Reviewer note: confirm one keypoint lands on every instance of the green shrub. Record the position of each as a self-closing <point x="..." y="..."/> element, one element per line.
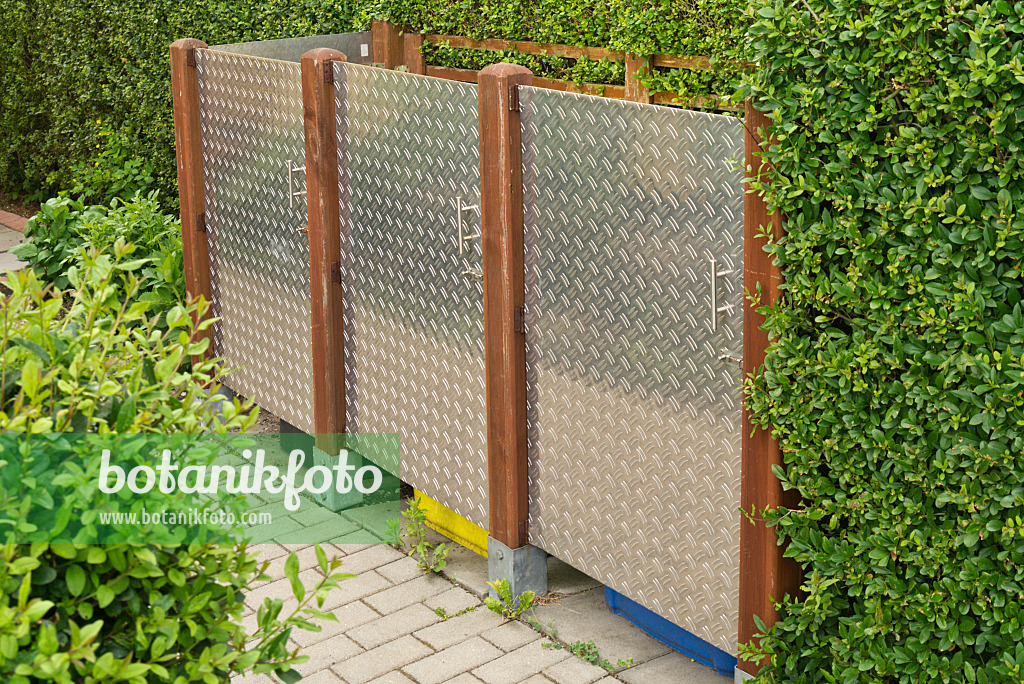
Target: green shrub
<point x="121" y="611"/>
<point x="895" y="384"/>
<point x="64" y="230"/>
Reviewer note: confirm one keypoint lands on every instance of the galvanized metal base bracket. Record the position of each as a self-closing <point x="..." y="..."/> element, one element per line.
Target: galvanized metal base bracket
<point x="525" y="568"/>
<point x="739" y="676"/>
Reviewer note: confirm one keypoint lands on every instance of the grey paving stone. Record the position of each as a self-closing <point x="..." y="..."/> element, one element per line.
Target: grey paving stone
<point x="452" y="631"/>
<point x="510" y="635"/>
<point x="537" y="679"/>
<point x="311" y="513"/>
<point x="373" y="517"/>
<point x="516" y="666"/>
<point x="355" y="588"/>
<point x="674" y="668"/>
<point x="307" y="561"/>
<point x="390" y="627"/>
<point x="381" y="660"/>
<point x="370" y="558"/>
<point x="468" y="568"/>
<point x="454" y="600"/>
<point x="452" y="661"/>
<point x="395" y="677"/>
<point x="326" y="653"/>
<point x="574" y="671"/>
<point x="320" y="532"/>
<point x="322" y="677"/>
<point x="9" y="238"/>
<point x="9" y="262"/>
<point x="401" y="570"/>
<point x="282" y="589"/>
<point x="340" y="544"/>
<point x="565" y="579"/>
<point x="586" y="617"/>
<point x="281" y="527"/>
<point x="407" y="593"/>
<point x="266" y="552"/>
<point x="349" y="617"/>
<point x="464" y="678"/>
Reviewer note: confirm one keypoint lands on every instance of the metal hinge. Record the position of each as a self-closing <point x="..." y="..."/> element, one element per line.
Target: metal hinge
<point x="513" y="98"/>
<point x="190" y="57"/>
<point x="518" y="322"/>
<point x="328" y="71"/>
<point x="336" y="272"/>
<point x="201" y="223"/>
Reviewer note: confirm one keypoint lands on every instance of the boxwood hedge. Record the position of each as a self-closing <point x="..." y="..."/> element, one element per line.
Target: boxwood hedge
<point x="84" y="85"/>
<point x="896" y="383"/>
<point x="82" y="81"/>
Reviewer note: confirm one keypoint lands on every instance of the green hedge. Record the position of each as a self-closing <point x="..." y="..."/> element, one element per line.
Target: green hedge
<point x="896" y="385"/>
<point x="85" y="87"/>
<point x="685" y="27"/>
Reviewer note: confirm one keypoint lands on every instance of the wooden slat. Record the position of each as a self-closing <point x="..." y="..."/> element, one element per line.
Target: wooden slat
<point x="527" y="47"/>
<point x="388" y="46"/>
<point x="471" y="76"/>
<point x="764" y="573"/>
<point x="189" y="152"/>
<point x="696" y="101"/>
<point x="501" y="228"/>
<point x="324" y="206"/>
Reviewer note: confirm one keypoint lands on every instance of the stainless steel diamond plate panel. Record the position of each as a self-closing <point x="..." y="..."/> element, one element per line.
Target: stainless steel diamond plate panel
<point x="251" y="119"/>
<point x="358" y="47"/>
<point x="634" y="419"/>
<point x="408" y="148"/>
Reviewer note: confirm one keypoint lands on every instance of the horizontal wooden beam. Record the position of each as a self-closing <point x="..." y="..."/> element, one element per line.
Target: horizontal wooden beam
<point x="466" y="75"/>
<point x="667" y="97"/>
<point x="682" y="62"/>
<point x="527" y="47"/>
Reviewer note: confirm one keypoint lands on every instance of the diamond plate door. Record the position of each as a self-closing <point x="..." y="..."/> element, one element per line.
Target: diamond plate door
<point x="634" y="420"/>
<point x="408" y="152"/>
<point x="252" y="129"/>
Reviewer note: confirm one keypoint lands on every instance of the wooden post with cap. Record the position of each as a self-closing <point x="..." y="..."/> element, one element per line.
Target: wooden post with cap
<point x="191" y="192"/>
<point x="501" y="227"/>
<point x="324" y="205"/>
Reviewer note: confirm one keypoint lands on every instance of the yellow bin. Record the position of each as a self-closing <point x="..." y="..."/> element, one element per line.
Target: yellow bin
<point x="452" y="525"/>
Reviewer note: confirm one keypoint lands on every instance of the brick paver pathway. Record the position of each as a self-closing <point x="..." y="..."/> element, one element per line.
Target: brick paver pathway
<point x="390" y="631"/>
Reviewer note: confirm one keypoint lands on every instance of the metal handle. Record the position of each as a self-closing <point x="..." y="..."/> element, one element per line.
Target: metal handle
<point x="292" y="194"/>
<point x="715" y="309"/>
<point x="459" y="209"/>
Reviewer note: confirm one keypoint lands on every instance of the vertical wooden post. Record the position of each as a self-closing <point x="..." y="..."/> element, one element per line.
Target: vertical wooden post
<point x="501" y="228"/>
<point x="635" y="90"/>
<point x="387" y="44"/>
<point x="765" y="575"/>
<point x="189" y="152"/>
<point x="324" y="207"/>
<point x="414" y="62"/>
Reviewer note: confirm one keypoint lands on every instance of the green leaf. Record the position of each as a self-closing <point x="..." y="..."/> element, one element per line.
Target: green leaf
<point x="75" y="578"/>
